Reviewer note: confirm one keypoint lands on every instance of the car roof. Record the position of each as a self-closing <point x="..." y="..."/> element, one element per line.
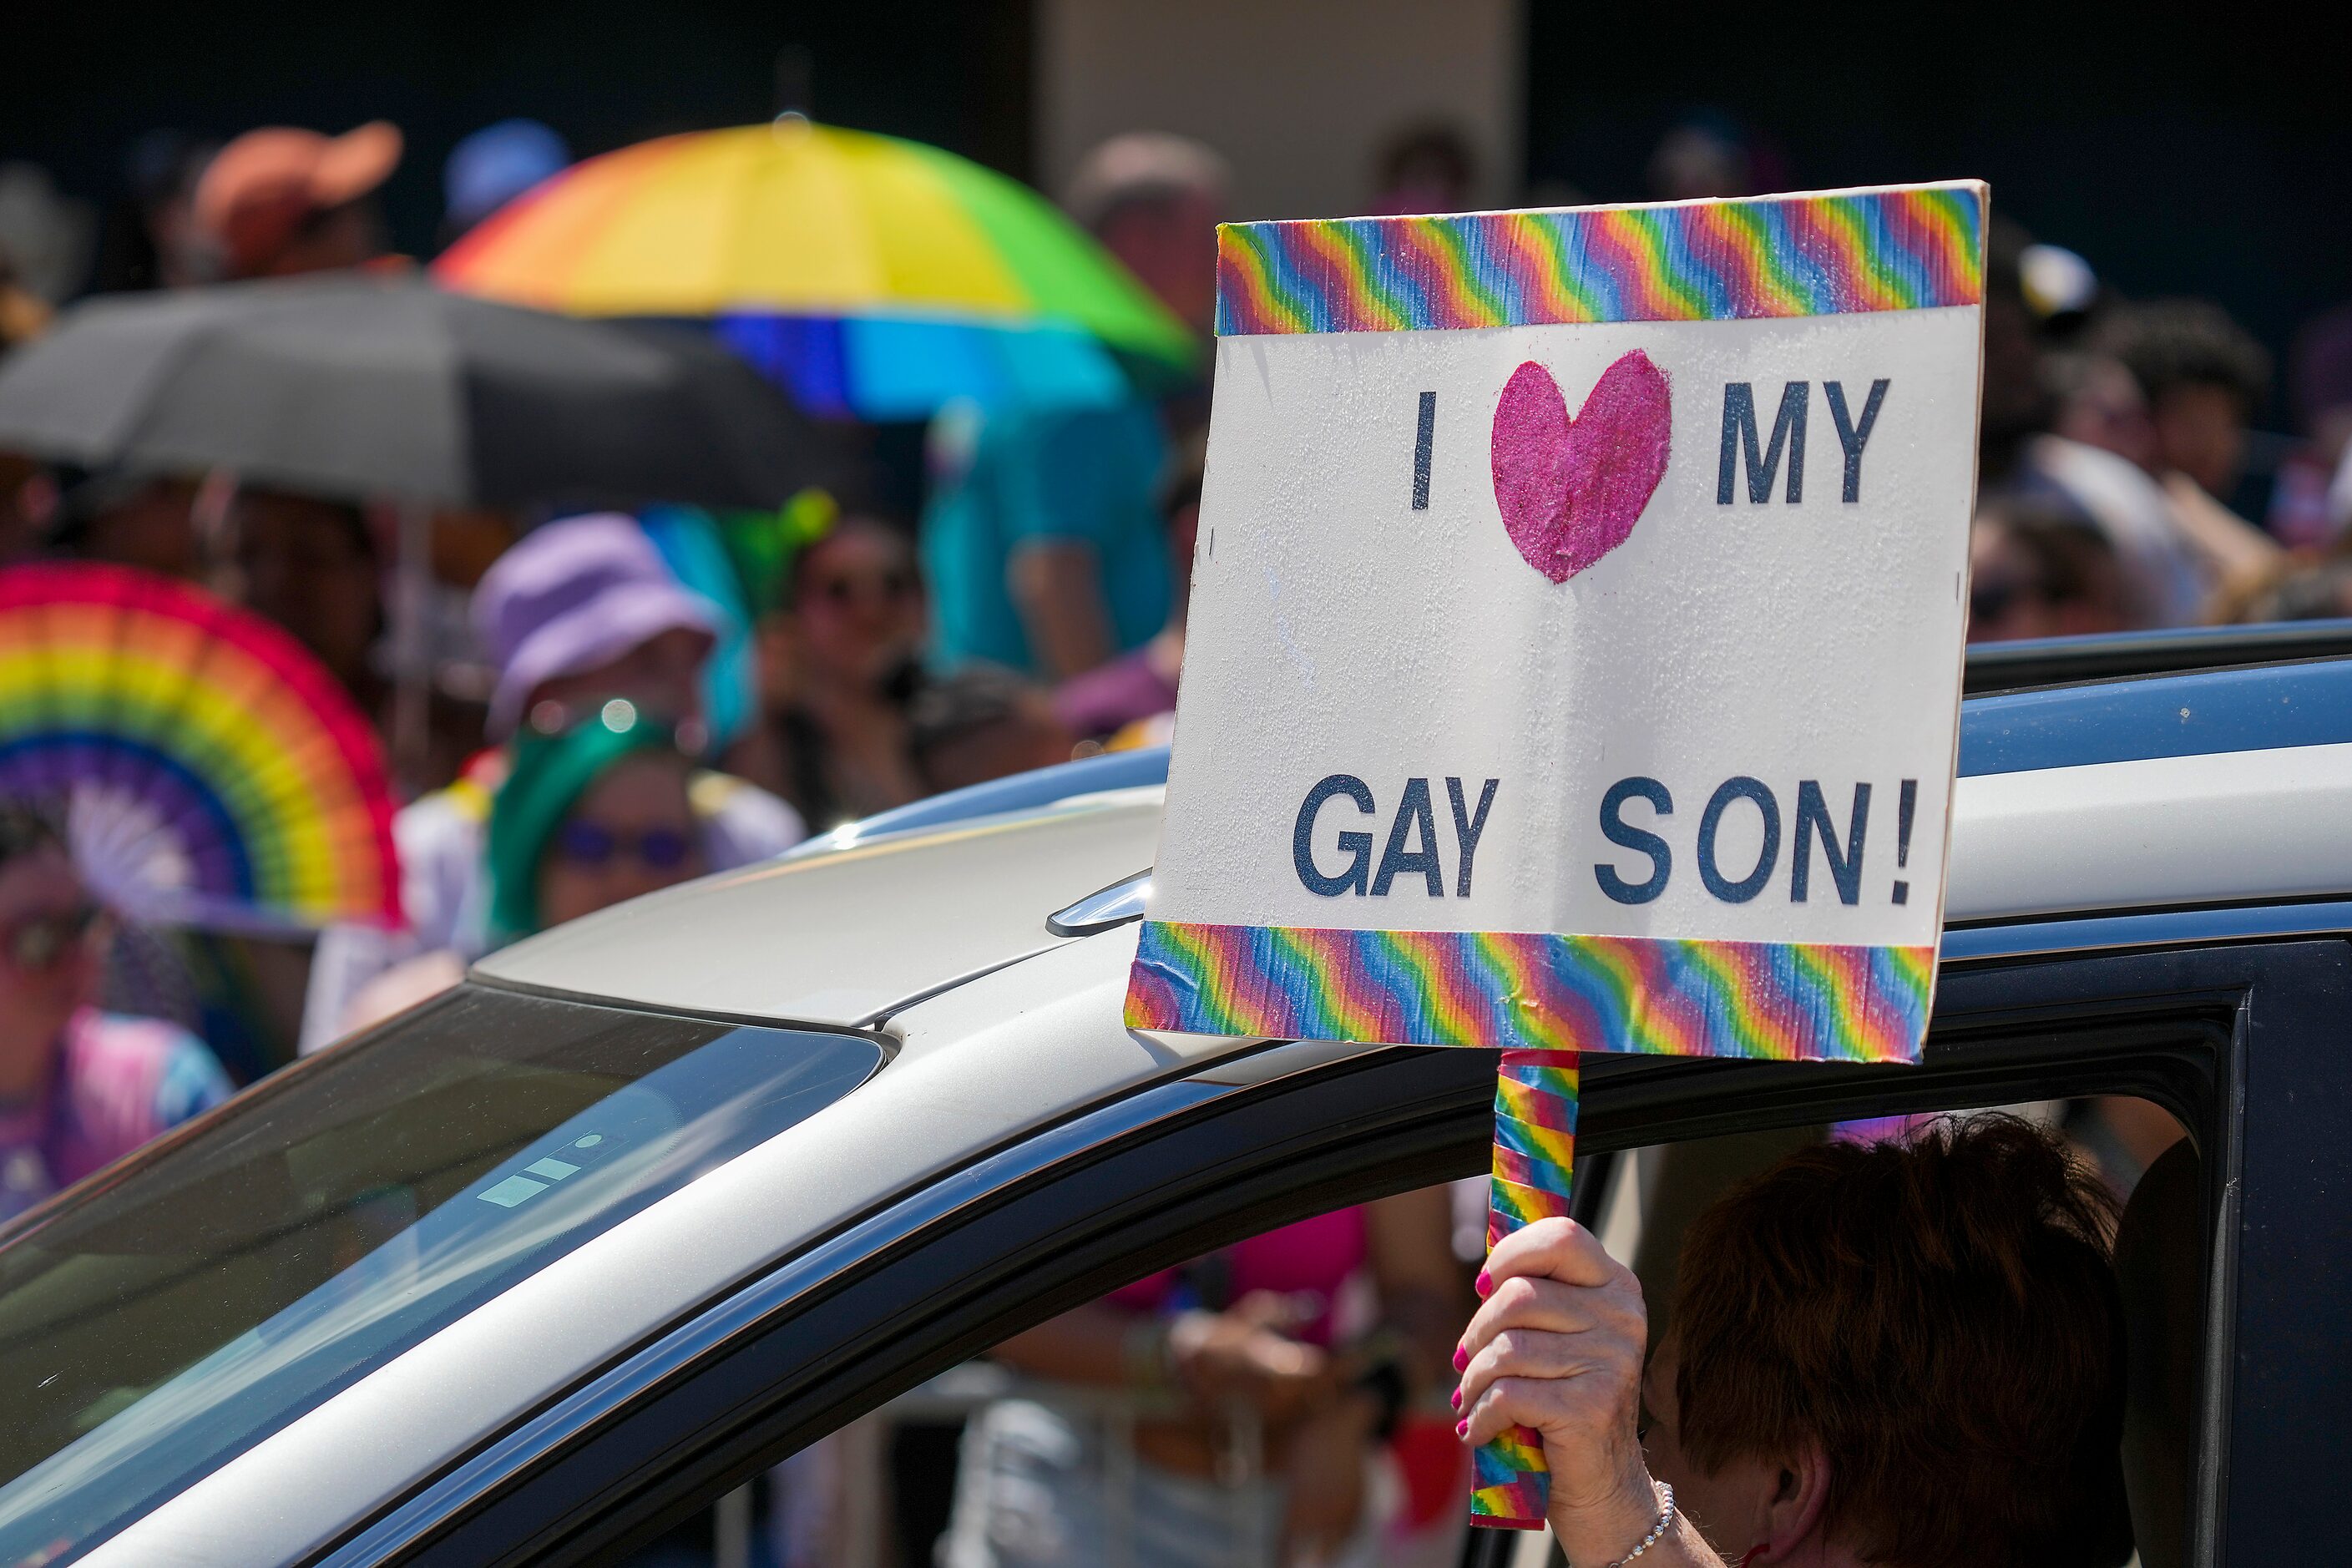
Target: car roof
<point x="2216" y="786"/>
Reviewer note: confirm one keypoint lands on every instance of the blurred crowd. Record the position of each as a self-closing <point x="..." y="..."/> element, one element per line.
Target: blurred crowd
<point x="616" y="702"/>
<point x="2116" y="437"/>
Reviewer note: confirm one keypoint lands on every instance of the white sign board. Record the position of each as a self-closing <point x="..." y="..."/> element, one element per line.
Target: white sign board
<point x="1575" y="641"/>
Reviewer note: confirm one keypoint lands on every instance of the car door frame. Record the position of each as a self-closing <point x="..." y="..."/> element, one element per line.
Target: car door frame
<point x="2227" y="1038"/>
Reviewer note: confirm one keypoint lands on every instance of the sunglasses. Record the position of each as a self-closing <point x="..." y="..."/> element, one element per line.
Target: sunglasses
<point x="593" y="845"/>
<point x="891" y="587"/>
<point x="1991" y="598"/>
<point x="39" y="944"/>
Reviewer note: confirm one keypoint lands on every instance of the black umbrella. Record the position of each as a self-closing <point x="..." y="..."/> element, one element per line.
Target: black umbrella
<point x="364" y="387"/>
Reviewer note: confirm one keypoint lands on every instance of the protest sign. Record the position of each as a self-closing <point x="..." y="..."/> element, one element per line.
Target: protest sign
<point x="1574" y="651"/>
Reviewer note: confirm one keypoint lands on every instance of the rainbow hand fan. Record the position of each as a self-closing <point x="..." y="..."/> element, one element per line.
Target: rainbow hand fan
<point x="210" y="771"/>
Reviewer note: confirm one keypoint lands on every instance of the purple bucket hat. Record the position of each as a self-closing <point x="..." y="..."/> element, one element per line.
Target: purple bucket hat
<point x="572" y="595"/>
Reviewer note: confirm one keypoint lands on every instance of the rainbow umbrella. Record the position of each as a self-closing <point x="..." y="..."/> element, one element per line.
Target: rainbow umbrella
<point x="873" y="276"/>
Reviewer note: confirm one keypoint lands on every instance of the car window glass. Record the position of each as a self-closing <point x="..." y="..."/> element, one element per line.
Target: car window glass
<point x="210" y="1290"/>
<point x="1326" y="1423"/>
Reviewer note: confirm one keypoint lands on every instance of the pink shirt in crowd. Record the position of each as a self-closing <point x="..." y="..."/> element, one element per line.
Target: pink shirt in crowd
<point x="120" y="1081"/>
<point x="1310" y="1259"/>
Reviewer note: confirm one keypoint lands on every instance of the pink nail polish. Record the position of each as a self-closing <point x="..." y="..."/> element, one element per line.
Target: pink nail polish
<point x="1486" y="1284"/>
<point x="1460" y="1358"/>
<point x="1461" y="1428"/>
<point x="1457" y="1399"/>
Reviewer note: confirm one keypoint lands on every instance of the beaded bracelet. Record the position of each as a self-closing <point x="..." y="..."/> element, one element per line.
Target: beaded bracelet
<point x="1657" y="1530"/>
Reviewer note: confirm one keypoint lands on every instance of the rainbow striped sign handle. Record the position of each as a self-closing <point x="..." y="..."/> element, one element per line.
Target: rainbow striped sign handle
<point x="1535" y="1152"/>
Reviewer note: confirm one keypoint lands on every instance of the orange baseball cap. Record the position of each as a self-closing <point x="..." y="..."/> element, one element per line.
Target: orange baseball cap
<point x="261" y="189"/>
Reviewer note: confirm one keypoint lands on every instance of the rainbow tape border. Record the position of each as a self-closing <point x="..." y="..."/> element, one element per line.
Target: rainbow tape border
<point x="1907" y="249"/>
<point x="1522" y="991"/>
<point x="1534" y="1155"/>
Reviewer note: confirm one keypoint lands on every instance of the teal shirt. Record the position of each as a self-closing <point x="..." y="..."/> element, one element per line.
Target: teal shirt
<point x="1007" y="479"/>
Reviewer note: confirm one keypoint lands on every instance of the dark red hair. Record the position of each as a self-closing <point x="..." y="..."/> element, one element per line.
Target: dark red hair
<point x="1940" y="1317"/>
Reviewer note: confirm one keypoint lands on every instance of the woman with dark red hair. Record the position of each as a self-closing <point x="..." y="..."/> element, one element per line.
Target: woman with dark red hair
<point x="1901" y="1354"/>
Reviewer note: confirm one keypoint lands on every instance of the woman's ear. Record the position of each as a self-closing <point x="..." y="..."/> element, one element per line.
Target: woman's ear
<point x="1793" y="1517"/>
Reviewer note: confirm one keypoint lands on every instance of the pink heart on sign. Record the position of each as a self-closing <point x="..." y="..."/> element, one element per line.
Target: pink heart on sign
<point x="1571" y="489"/>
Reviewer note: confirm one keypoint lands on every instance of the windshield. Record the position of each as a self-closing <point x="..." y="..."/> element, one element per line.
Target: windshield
<point x="179" y="1308"/>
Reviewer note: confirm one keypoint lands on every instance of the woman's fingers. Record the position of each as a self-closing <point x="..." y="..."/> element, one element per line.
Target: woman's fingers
<point x="1558" y="1249"/>
<point x="1563" y="1329"/>
<point x="1553" y="1308"/>
<point x="1521" y="1354"/>
<point x="1501" y="1407"/>
<point x="1577" y="1410"/>
<point x="1553" y="1276"/>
